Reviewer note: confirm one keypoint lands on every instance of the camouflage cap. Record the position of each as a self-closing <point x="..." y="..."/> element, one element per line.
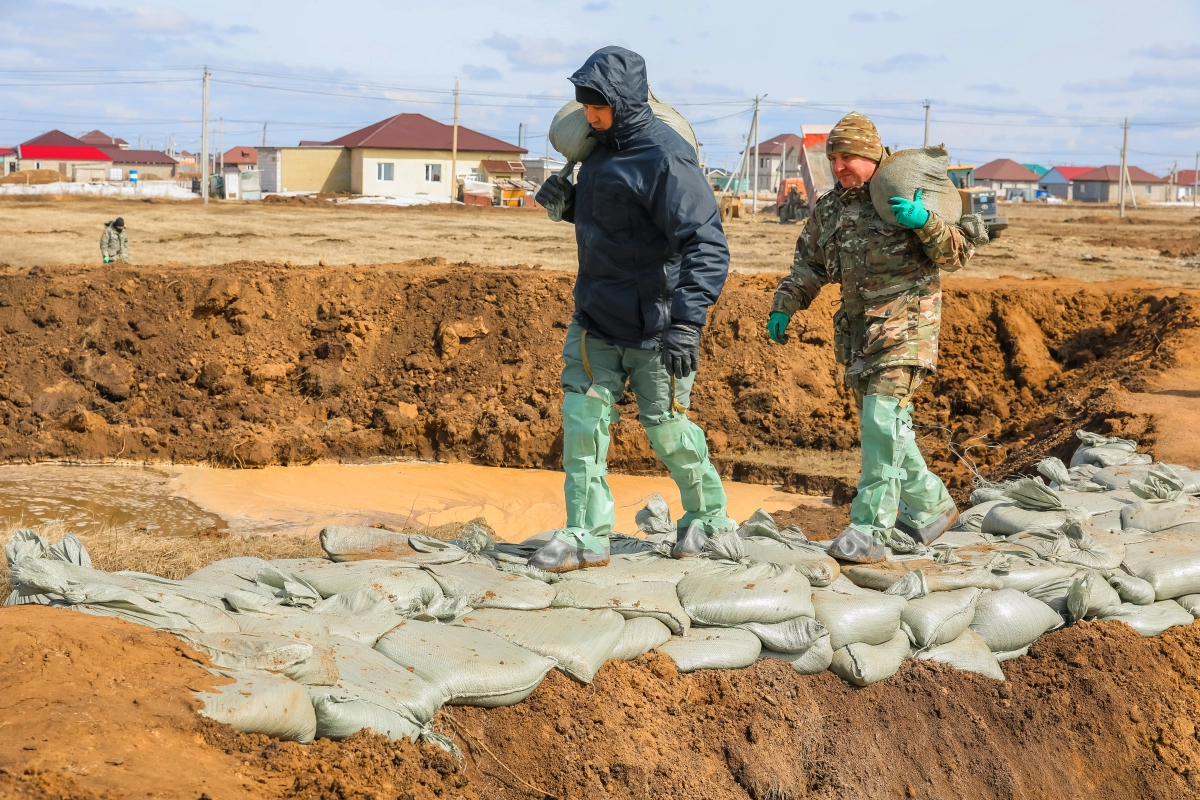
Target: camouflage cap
<point x="855" y="135"/>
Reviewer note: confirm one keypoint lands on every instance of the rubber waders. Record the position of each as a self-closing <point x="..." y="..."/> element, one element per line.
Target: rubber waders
<point x="590" y="510"/>
<point x="680" y="444"/>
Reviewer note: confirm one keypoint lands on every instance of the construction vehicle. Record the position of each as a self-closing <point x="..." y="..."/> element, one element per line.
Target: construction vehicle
<point x="730" y="206"/>
<point x="791" y="201"/>
<point x="977" y="199"/>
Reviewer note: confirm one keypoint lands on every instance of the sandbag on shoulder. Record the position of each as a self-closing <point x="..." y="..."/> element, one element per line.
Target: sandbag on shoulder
<point x="713" y="648"/>
<point x="862" y="616"/>
<point x="1009" y="620"/>
<point x="656" y="599"/>
<point x="939" y="617"/>
<point x="734" y="590"/>
<point x="1159" y="516"/>
<point x="470" y="667"/>
<point x="579" y="640"/>
<point x="304" y="662"/>
<point x="373" y="692"/>
<point x="639" y="636"/>
<point x="483" y="586"/>
<point x="815" y="657"/>
<point x="864" y="664"/>
<point x="1150" y="620"/>
<point x="1169" y="562"/>
<point x="258" y="703"/>
<point x="357" y="543"/>
<point x="967" y="652"/>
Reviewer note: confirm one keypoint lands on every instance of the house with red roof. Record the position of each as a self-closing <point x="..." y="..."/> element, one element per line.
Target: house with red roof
<point x="8" y="160"/>
<point x="784" y="150"/>
<point x="1008" y="178"/>
<point x="1188" y="183"/>
<point x="408" y="154"/>
<point x="56" y="150"/>
<point x="102" y="139"/>
<point x="1060" y="181"/>
<point x="1101" y="185"/>
<point x="240" y="158"/>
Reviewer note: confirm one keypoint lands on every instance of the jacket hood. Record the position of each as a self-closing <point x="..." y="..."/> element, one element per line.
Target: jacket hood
<point x="619" y="75"/>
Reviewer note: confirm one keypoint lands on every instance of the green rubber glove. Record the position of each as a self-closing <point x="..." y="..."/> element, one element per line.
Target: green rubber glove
<point x="107" y="260"/>
<point x="910" y="213"/>
<point x="776" y="325"/>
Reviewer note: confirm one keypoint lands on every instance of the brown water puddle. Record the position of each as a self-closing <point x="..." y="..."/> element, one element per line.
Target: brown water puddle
<point x="183" y="500"/>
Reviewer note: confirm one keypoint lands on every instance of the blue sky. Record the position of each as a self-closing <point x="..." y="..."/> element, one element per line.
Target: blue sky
<point x="1041" y="81"/>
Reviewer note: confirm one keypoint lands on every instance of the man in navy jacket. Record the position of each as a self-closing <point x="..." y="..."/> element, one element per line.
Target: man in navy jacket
<point x="652" y="259"/>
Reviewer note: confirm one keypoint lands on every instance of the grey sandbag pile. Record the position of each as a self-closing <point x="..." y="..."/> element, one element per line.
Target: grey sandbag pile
<point x="391" y="626"/>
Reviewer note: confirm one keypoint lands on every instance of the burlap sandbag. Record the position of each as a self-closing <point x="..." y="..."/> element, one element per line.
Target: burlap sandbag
<point x="903" y="172"/>
<point x="569" y="130"/>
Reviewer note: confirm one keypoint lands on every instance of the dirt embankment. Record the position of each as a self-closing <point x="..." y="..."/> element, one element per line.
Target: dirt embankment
<point x="98" y="708"/>
<point x="267" y="364"/>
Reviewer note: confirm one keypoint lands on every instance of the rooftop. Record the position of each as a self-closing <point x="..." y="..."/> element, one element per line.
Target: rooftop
<point x="419" y="132"/>
<point x="1111" y="173"/>
<point x="102" y="139"/>
<point x="125" y="156"/>
<point x="241" y="155"/>
<point x="1005" y="169"/>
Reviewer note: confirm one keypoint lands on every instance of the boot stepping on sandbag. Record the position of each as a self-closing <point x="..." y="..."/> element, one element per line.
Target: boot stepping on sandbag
<point x="928" y="533"/>
<point x="854" y="545"/>
<point x="561" y="555"/>
<point x="689" y="541"/>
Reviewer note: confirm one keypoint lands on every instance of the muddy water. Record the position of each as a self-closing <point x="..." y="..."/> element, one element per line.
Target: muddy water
<point x="183" y="500"/>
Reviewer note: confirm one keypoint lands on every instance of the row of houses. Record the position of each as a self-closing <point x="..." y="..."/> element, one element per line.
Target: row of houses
<point x="96" y="156"/>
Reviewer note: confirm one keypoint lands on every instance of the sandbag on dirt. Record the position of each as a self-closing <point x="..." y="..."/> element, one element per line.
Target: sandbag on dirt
<point x="303" y="662"/>
<point x="240" y="572"/>
<point x="373" y="692"/>
<point x="656" y="599"/>
<point x="815" y="658"/>
<point x="1150" y="620"/>
<point x="258" y="703"/>
<point x="360" y="615"/>
<point x="864" y="664"/>
<point x="483" y="586"/>
<point x="1169" y="562"/>
<point x="361" y="544"/>
<point x="639" y="567"/>
<point x="1079" y="544"/>
<point x="254" y="614"/>
<point x="1010" y="620"/>
<point x="939" y="577"/>
<point x="793" y="636"/>
<point x="809" y="560"/>
<point x="579" y="640"/>
<point x="1130" y="588"/>
<point x="967" y="652"/>
<point x="1160" y="516"/>
<point x="1190" y="603"/>
<point x="639" y="636"/>
<point x="902" y="173"/>
<point x="1106" y="451"/>
<point x="1009" y="655"/>
<point x="940" y="617"/>
<point x="713" y="648"/>
<point x="25" y="543"/>
<point x="1055" y="593"/>
<point x="1091" y="596"/>
<point x="470" y="667"/>
<point x="734" y="590"/>
<point x="972" y="518"/>
<point x="861" y="616"/>
<point x="405" y="586"/>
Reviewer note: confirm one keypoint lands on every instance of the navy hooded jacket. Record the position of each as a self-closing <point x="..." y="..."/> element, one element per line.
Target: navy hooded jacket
<point x="651" y="248"/>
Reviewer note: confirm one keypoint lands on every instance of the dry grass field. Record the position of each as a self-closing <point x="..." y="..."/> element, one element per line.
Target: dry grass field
<point x="1076" y="240"/>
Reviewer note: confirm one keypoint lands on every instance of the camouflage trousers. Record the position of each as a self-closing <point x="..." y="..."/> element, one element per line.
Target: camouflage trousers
<point x="898" y="382"/>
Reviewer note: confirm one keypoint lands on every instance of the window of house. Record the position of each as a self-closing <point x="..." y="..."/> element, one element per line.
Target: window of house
<point x="433" y="173"/>
<point x="385" y="171"/>
<point x="1147" y="188"/>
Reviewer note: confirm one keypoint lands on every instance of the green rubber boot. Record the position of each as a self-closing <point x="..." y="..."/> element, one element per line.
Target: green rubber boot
<point x="680" y="444"/>
<point x="875" y="506"/>
<point x="926" y="508"/>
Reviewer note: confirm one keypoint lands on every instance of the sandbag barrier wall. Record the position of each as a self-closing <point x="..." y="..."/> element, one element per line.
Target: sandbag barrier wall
<point x="391" y="626"/>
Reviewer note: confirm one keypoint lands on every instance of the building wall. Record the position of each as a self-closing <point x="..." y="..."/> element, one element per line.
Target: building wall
<point x="304" y="169"/>
<point x="86" y="171"/>
<point x="408" y="170"/>
<point x="1056" y="185"/>
<point x="1107" y="192"/>
<point x="161" y="170"/>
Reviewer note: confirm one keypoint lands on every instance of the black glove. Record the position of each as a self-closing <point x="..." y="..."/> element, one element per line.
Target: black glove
<point x="681" y="349"/>
<point x="553" y="192"/>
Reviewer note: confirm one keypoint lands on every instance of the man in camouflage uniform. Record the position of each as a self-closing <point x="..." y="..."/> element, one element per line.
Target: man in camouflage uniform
<point x="885" y="333"/>
<point x="114" y="242"/>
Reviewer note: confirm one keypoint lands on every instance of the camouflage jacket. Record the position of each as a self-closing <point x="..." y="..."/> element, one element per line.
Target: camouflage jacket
<point x="891" y="306"/>
<point x="114" y="244"/>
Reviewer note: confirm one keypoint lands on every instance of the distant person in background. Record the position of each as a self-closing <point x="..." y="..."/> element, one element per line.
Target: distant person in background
<point x="114" y="242"/>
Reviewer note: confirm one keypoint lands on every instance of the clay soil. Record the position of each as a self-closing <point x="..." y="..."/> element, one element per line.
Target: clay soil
<point x="99" y="708"/>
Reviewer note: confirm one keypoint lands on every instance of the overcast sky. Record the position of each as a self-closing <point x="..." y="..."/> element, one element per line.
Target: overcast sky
<point x="1044" y="82"/>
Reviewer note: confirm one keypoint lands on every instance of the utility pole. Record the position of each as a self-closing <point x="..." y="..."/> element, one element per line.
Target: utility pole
<point x="204" y="141"/>
<point x="926" y="124"/>
<point x="1195" y="179"/>
<point x="1121" y="179"/>
<point x="264" y="144"/>
<point x="222" y="147"/>
<point x="520" y="134"/>
<point x="454" y="149"/>
<point x="754" y="202"/>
